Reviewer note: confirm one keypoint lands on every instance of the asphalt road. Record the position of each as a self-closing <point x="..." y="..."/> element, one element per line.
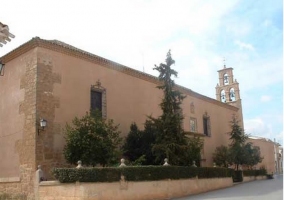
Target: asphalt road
<point x="270" y="189"/>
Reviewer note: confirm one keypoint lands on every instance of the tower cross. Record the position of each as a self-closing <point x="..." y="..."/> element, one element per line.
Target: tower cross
<point x="224" y="61"/>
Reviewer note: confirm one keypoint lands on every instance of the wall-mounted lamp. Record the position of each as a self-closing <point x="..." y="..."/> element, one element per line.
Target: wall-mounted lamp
<point x="1" y="69"/>
<point x="42" y="124"/>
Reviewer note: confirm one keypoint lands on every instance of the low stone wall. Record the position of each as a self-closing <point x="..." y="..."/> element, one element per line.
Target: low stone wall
<point x="253" y="178"/>
<point x="124" y="190"/>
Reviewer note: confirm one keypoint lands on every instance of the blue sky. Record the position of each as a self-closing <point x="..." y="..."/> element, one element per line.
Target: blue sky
<point x="200" y="33"/>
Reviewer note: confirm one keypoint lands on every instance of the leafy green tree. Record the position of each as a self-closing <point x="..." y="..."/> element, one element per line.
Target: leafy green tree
<point x="93" y="140"/>
<point x="138" y="161"/>
<point x="221" y="156"/>
<point x="238" y="139"/>
<point x="148" y="138"/>
<point x="252" y="155"/>
<point x="239" y="151"/>
<point x="194" y="148"/>
<point x="138" y="144"/>
<point x="170" y="142"/>
<point x="133" y="142"/>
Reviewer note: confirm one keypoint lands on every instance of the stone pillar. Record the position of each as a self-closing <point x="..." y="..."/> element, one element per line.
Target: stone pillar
<point x="39" y="176"/>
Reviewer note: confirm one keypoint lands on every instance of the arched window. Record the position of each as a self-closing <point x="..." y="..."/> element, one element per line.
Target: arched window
<point x="232" y="95"/>
<point x="226" y="79"/>
<point x="223" y="96"/>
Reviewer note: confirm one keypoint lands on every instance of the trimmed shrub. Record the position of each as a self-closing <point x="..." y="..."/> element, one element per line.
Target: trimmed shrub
<point x="214" y="172"/>
<point x="249" y="173"/>
<point x="150" y="173"/>
<point x="259" y="172"/>
<point x="65" y="175"/>
<point x="238" y="176"/>
<point x="137" y="173"/>
<point x="98" y="174"/>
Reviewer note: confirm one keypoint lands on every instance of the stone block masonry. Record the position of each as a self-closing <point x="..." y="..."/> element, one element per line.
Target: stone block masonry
<point x="35" y="148"/>
<point x="47" y="102"/>
<point x="23" y="188"/>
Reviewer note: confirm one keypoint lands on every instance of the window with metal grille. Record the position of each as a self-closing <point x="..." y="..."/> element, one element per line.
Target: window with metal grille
<point x="193" y="125"/>
<point x="96" y="100"/>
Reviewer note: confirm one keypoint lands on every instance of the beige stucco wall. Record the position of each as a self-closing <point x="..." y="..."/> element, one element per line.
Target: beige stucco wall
<point x="11" y="126"/>
<point x="66" y="94"/>
<point x="219" y="123"/>
<point x="165" y="189"/>
<point x="12" y="122"/>
<point x="267" y="152"/>
<point x="18" y="125"/>
<point x="128" y="99"/>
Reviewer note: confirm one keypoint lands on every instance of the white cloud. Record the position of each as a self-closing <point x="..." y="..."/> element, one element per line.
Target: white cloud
<point x="243" y="45"/>
<point x="257" y="73"/>
<point x="265" y="98"/>
<point x="257" y="127"/>
<point x="262" y="127"/>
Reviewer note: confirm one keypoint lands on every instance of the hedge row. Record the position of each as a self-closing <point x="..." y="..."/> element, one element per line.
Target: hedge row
<point x="141" y="173"/>
<point x="238" y="175"/>
<point x="259" y="172"/>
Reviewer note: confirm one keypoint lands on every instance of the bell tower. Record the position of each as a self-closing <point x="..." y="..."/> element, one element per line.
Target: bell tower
<point x="227" y="90"/>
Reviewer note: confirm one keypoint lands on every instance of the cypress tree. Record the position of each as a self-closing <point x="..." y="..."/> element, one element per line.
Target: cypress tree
<point x="171" y="141"/>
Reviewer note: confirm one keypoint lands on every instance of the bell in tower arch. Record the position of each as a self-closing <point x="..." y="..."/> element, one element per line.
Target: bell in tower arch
<point x="226" y="79"/>
<point x="232" y="95"/>
<point x="223" y="96"/>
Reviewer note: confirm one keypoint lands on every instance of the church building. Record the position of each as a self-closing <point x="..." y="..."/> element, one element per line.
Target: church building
<point x="44" y="84"/>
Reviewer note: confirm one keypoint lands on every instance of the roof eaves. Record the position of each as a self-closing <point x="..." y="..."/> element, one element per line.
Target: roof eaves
<point x="62" y="47"/>
<point x="34" y="42"/>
